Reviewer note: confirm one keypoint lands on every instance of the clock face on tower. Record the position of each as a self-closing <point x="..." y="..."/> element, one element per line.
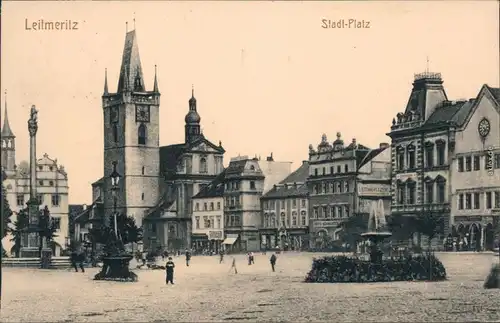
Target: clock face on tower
<point x="483" y="127"/>
<point x="142" y="113"/>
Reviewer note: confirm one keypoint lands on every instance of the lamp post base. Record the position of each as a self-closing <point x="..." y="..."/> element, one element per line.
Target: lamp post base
<point x="116" y="268"/>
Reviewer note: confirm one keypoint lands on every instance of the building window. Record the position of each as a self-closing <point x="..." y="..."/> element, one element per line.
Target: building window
<point x="333" y="211"/>
<point x="441" y="190"/>
<point x="324" y="171"/>
<point x="197" y="206"/>
<point x="211" y="206"/>
<point x="411" y="192"/>
<point x="141" y="135"/>
<point x="40" y="168"/>
<point x="339" y="170"/>
<point x="40" y="199"/>
<point x="468" y="201"/>
<point x="315" y="172"/>
<point x="115" y="133"/>
<point x="203" y="165"/>
<point x="489" y="201"/>
<point x="304" y="219"/>
<point x="282" y="221"/>
<point x="461" y="202"/>
<point x="401" y="193"/>
<point x="40" y="183"/>
<point x="331" y="170"/>
<point x="476" y="163"/>
<point x="460" y="164"/>
<point x="142" y="196"/>
<point x="218" y="205"/>
<point x="204" y="206"/>
<point x="153" y="227"/>
<point x="429" y="155"/>
<point x="56" y="222"/>
<point x="346" y="168"/>
<point x="218" y="222"/>
<point x="315" y="213"/>
<point x="411" y="157"/>
<point x="315" y="187"/>
<point x="55" y="199"/>
<point x="252" y="185"/>
<point x="401" y="159"/>
<point x="340" y="211"/>
<point x="346" y="211"/>
<point x="142" y="170"/>
<point x="20" y="199"/>
<point x="325" y="188"/>
<point x="51" y="168"/>
<point x="294" y="203"/>
<point x="303" y="202"/>
<point x="468" y="163"/>
<point x="346" y="186"/>
<point x="497" y="161"/>
<point x="339" y="187"/>
<point x="51" y="183"/>
<point x="476" y="201"/>
<point x="497" y="200"/>
<point x="441" y="146"/>
<point x="325" y="213"/>
<point x="429" y="192"/>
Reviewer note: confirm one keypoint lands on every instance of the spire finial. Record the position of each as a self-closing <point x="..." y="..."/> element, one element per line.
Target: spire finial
<point x="427" y="65"/>
<point x="192" y="90"/>
<point x="6" y="131"/>
<point x="126" y="26"/>
<point x="105" y="81"/>
<point x="155" y="86"/>
<point x="134" y="20"/>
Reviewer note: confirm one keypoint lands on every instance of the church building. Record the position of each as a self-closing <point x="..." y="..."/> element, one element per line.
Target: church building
<point x="157" y="183"/>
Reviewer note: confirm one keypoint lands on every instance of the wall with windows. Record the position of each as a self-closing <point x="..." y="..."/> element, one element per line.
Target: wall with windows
<point x="52" y="191"/>
<point x="289" y="212"/>
<point x="208" y="214"/>
<point x="476" y="164"/>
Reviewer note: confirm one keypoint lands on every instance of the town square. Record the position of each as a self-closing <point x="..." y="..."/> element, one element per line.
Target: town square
<point x="175" y="170"/>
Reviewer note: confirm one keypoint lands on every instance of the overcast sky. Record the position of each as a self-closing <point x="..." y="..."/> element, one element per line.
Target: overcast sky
<point x="267" y="76"/>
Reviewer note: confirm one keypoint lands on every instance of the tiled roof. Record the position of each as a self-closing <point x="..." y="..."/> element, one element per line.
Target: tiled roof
<point x="236" y="167"/>
<point x="456" y="112"/>
<point x="372" y="154"/>
<point x="99" y="181"/>
<point x="495" y="91"/>
<point x="299" y="175"/>
<point x="214" y="189"/>
<point x="287" y="188"/>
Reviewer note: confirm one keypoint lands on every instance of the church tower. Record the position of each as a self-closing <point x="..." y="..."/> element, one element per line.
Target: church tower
<point x="131" y="137"/>
<point x="8" y="142"/>
<point x="192" y="128"/>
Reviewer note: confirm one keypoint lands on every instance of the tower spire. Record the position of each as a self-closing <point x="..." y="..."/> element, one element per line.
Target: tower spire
<point x="106" y="81"/>
<point x="131" y="69"/>
<point x="6" y="131"/>
<point x="155" y="86"/>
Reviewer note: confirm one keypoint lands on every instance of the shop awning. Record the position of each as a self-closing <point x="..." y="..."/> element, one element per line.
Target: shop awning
<point x="231" y="239"/>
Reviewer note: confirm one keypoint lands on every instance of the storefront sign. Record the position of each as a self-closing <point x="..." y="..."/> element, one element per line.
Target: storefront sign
<point x="404" y="177"/>
<point x="215" y="235"/>
<point x="462" y="218"/>
<point x="325" y="224"/>
<point x="374" y="190"/>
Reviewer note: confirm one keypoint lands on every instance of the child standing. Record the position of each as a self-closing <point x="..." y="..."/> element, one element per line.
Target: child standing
<point x="169" y="267"/>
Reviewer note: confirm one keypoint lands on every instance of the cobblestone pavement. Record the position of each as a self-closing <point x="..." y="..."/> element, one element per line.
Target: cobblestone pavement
<point x="207" y="291"/>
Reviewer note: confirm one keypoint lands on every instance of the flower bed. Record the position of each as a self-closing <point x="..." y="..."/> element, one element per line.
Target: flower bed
<point x="344" y="269"/>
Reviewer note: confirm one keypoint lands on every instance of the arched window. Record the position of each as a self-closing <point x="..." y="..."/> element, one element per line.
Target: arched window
<point x="141" y="135"/>
<point x="143" y="170"/>
<point x="203" y="165"/>
<point x="115" y="133"/>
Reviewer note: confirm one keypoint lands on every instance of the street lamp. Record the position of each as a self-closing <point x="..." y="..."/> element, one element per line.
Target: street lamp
<point x="115" y="179"/>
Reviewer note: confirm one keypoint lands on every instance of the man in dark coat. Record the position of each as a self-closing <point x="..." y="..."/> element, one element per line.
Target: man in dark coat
<point x="272" y="260"/>
<point x="169" y="267"/>
<point x="188" y="257"/>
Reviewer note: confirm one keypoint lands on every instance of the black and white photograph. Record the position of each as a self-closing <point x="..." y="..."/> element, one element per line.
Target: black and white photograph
<point x="250" y="161"/>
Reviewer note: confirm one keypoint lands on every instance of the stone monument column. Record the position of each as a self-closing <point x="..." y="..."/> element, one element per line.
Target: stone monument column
<point x="30" y="247"/>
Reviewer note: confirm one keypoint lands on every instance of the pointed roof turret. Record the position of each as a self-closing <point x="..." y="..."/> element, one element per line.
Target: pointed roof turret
<point x="192" y="117"/>
<point x="106" y="92"/>
<point x="6" y="131"/>
<point x="131" y="70"/>
<point x="155" y="86"/>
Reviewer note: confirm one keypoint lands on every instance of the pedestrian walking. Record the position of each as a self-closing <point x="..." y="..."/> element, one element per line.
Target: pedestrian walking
<point x="272" y="260"/>
<point x="81" y="259"/>
<point x="252" y="258"/>
<point x="233" y="265"/>
<point x="188" y="257"/>
<point x="221" y="253"/>
<point x="169" y="268"/>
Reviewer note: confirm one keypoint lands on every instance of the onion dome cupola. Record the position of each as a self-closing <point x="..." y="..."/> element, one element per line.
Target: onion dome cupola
<point x="338" y="143"/>
<point x="192" y="119"/>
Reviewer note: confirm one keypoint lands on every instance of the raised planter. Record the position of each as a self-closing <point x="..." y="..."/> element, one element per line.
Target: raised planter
<point x="342" y="269"/>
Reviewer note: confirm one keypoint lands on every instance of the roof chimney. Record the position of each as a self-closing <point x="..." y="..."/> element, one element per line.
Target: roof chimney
<point x="383" y="145"/>
<point x="270" y="158"/>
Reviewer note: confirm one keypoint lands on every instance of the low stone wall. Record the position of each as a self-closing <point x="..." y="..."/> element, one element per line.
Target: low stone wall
<point x="56" y="262"/>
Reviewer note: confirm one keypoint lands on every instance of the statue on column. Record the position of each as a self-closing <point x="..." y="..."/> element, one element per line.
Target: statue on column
<point x="33" y="121"/>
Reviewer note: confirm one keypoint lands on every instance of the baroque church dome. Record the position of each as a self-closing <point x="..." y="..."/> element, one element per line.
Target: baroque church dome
<point x="192" y="117"/>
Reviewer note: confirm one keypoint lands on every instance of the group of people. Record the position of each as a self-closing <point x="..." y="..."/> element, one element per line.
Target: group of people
<point x="170" y="265"/>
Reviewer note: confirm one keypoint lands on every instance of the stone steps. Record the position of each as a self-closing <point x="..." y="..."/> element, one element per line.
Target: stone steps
<point x="56" y="263"/>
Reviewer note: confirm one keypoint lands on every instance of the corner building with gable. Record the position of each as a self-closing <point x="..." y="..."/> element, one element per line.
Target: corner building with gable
<point x="156" y="183"/>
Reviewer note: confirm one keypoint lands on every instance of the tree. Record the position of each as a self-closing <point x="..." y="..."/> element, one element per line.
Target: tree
<point x="352" y="228"/>
<point x="402" y="227"/>
<point x="47" y="228"/>
<point x="429" y="224"/>
<point x="20" y="225"/>
<point x="6" y="212"/>
<point x="128" y="231"/>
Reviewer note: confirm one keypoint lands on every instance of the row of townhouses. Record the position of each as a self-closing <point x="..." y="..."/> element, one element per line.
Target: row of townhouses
<point x="443" y="157"/>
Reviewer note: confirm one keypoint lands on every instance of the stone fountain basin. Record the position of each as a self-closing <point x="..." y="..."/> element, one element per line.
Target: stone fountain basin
<point x="376" y="235"/>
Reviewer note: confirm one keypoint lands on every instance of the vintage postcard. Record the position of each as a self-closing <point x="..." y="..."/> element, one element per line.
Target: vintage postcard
<point x="208" y="161"/>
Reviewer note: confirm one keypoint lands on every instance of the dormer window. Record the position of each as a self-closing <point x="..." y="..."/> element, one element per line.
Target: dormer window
<point x="252" y="167"/>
